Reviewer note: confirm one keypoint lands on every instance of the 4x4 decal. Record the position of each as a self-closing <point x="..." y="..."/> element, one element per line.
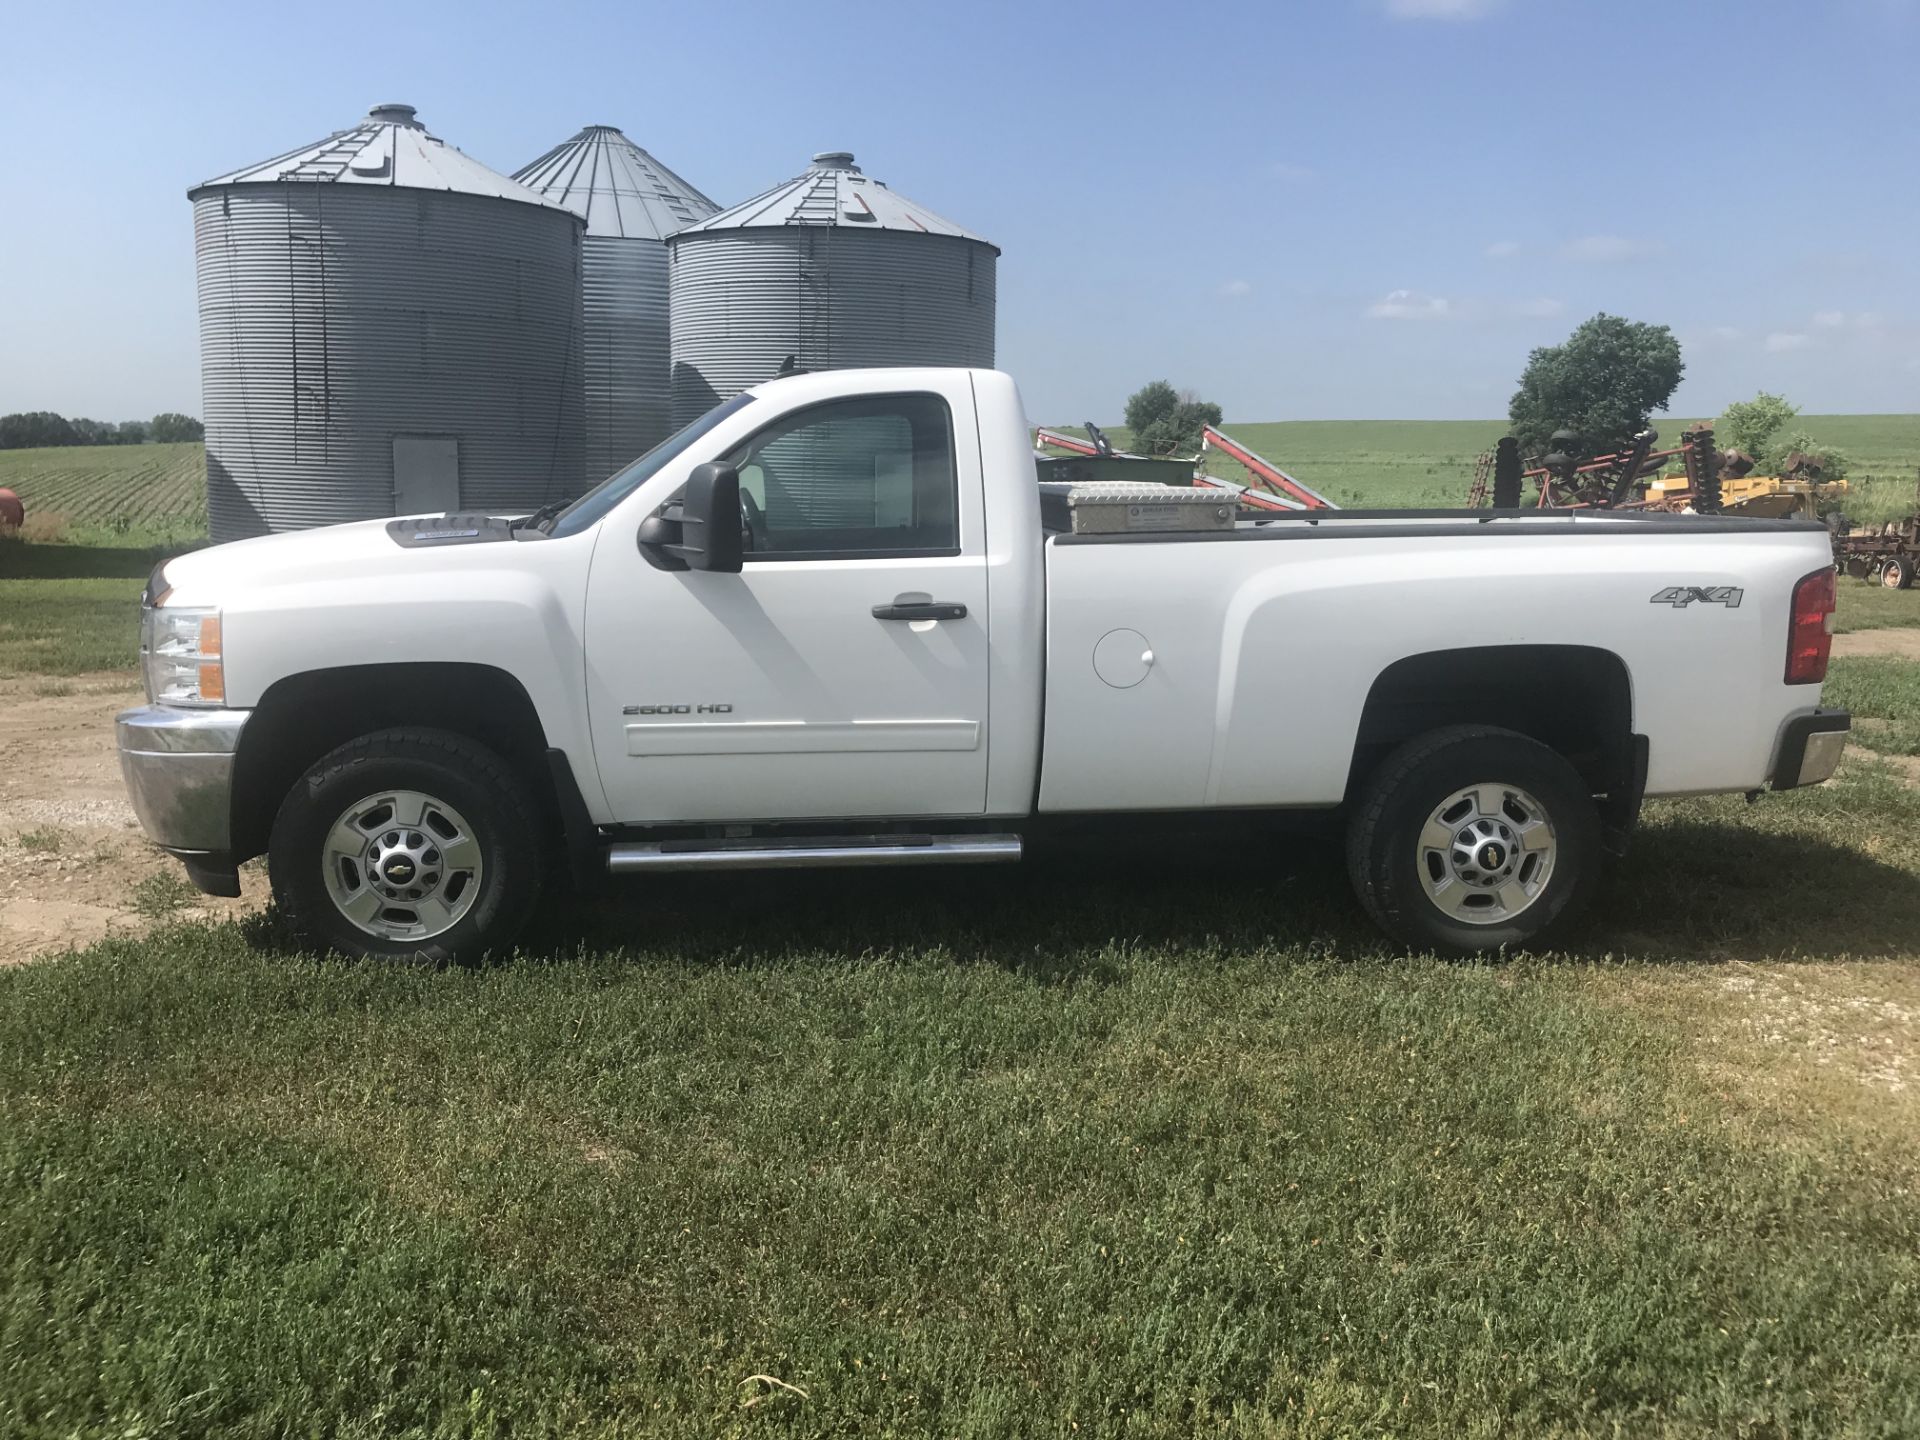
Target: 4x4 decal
<point x="1681" y="596"/>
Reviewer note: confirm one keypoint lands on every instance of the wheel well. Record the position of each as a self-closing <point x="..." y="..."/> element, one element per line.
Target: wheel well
<point x="1574" y="698"/>
<point x="303" y="717"/>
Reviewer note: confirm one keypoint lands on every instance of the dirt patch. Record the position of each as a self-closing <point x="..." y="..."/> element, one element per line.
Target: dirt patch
<point x="1866" y="1028"/>
<point x="1902" y="643"/>
<point x="74" y="867"/>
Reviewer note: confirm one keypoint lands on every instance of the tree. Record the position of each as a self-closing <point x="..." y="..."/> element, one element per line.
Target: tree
<point x="1759" y="427"/>
<point x="1165" y="421"/>
<point x="133" y="432"/>
<point x="1751" y="425"/>
<point x="169" y="428"/>
<point x="93" y="432"/>
<point x="1603" y="384"/>
<point x="1831" y="463"/>
<point x="34" y="428"/>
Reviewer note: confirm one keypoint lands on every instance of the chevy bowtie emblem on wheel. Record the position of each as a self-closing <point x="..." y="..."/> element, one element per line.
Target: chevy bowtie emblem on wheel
<point x="1681" y="596"/>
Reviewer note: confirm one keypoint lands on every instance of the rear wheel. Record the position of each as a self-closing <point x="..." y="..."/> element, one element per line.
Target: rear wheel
<point x="408" y="845"/>
<point x="1473" y="838"/>
<point x="1897" y="573"/>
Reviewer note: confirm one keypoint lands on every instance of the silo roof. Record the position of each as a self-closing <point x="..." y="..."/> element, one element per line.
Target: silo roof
<point x="390" y="147"/>
<point x="833" y="191"/>
<point x="619" y="188"/>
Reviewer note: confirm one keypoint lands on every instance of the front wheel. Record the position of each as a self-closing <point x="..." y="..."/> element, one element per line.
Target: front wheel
<point x="1897" y="573"/>
<point x="1473" y="838"/>
<point x="408" y="845"/>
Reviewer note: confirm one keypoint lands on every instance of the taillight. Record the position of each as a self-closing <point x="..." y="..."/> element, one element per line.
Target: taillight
<point x="1810" y="632"/>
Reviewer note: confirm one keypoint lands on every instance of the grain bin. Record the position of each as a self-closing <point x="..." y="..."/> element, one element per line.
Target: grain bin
<point x="386" y="327"/>
<point x="828" y="271"/>
<point x="631" y="203"/>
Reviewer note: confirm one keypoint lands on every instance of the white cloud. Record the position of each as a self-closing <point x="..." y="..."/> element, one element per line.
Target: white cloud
<point x="1838" y="319"/>
<point x="1781" y="341"/>
<point x="1440" y="9"/>
<point x="1409" y="305"/>
<point x="1291" y="172"/>
<point x="1503" y="249"/>
<point x="1234" y="289"/>
<point x="1608" y="249"/>
<point x="1539" y="308"/>
<point x="1727" y="332"/>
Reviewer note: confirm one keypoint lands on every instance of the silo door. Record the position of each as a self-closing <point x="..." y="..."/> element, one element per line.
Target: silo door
<point x="426" y="474"/>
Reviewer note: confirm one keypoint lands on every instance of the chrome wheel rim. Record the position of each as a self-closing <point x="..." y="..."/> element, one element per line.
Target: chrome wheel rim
<point x="1486" y="853"/>
<point x="400" y="865"/>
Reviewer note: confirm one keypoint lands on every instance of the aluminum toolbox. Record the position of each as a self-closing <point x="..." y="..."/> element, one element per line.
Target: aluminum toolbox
<point x="1124" y="507"/>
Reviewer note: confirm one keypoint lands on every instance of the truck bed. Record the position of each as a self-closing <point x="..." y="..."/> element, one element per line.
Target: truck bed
<point x="1265" y="640"/>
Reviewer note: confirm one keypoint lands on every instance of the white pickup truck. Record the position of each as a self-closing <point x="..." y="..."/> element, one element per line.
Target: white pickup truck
<point x="826" y="625"/>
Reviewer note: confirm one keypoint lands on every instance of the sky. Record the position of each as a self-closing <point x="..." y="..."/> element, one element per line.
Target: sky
<point x="1302" y="209"/>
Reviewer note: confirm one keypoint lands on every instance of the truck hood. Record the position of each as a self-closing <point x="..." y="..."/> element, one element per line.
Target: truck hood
<point x="356" y="550"/>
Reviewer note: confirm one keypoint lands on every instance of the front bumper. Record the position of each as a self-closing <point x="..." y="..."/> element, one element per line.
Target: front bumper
<point x="1810" y="746"/>
<point x="178" y="765"/>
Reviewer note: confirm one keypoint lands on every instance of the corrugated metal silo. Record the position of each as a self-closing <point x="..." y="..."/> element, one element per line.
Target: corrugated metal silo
<point x="830" y="271"/>
<point x="386" y="327"/>
<point x="631" y="203"/>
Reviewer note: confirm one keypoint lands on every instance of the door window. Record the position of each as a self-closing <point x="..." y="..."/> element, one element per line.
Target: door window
<point x="868" y="477"/>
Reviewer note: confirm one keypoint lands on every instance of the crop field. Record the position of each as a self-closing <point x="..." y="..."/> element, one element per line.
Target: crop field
<point x="113" y="493"/>
<point x="156" y="494"/>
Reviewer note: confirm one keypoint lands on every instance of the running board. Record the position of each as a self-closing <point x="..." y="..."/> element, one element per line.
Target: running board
<point x="811" y="852"/>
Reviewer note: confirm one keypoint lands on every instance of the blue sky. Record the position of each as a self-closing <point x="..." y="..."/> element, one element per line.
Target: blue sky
<point x="1318" y="209"/>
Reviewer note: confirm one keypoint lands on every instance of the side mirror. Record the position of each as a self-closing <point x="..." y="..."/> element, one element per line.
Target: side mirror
<point x="701" y="529"/>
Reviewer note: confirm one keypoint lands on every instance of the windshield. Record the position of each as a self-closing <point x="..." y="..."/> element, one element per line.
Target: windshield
<point x="590" y="507"/>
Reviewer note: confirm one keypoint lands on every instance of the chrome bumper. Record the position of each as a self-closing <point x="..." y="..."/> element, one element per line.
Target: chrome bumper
<point x="178" y="765"/>
<point x="1810" y="747"/>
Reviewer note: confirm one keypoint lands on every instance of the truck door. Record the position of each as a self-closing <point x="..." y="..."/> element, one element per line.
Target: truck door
<point x="843" y="671"/>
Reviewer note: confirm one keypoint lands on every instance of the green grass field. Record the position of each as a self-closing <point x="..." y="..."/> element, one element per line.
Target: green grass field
<point x="1429" y="463"/>
<point x="1098" y="1146"/>
<point x="1085" y="1148"/>
<point x="69" y="609"/>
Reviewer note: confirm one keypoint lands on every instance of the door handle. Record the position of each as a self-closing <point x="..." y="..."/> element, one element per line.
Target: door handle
<point x="921" y="610"/>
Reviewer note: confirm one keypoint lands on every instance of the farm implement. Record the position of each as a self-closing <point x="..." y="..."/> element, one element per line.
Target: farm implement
<point x="1710" y="481"/>
<point x="1889" y="555"/>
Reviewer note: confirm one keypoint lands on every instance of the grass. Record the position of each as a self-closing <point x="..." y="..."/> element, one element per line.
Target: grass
<point x="1088" y="1146"/>
<point x="1883" y="691"/>
<point x="70" y="609"/>
<point x="1867" y="606"/>
<point x="1429" y="463"/>
<point x="1096" y="1144"/>
<point x="160" y="894"/>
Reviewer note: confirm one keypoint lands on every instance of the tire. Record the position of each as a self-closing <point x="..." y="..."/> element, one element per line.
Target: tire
<point x="1897" y="573"/>
<point x="445" y="832"/>
<point x="1533" y="879"/>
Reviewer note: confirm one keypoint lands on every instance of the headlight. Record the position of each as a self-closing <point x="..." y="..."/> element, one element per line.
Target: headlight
<point x="180" y="655"/>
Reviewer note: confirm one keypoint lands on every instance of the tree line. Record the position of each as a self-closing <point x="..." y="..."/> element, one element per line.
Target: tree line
<point x="32" y="429"/>
<point x="1602" y="384"/>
